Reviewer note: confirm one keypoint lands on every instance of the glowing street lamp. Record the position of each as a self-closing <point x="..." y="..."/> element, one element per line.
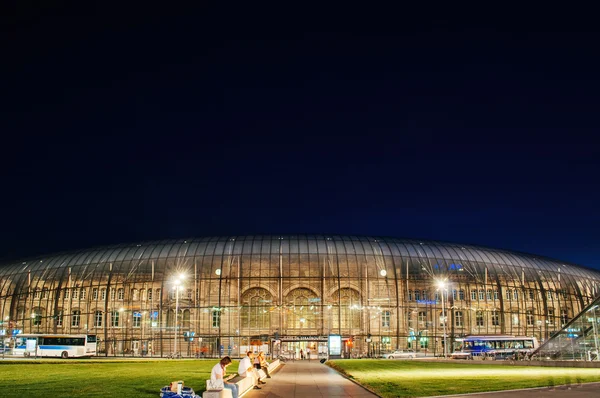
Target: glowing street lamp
<point x="177" y="286"/>
<point x="442" y="284"/>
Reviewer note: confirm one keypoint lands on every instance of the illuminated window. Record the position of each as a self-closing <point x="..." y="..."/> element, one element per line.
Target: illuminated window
<point x="256" y="305"/>
<point x="422" y="317"/>
<point x="137" y="319"/>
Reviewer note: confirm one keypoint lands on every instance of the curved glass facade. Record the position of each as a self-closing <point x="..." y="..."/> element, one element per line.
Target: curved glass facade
<point x="379" y="294"/>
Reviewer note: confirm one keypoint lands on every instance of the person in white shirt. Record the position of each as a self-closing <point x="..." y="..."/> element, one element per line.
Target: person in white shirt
<point x="246" y="369"/>
<point x="217" y="374"/>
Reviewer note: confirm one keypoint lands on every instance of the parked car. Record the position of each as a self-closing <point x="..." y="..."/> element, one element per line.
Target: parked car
<point x="400" y="354"/>
<point x="461" y="355"/>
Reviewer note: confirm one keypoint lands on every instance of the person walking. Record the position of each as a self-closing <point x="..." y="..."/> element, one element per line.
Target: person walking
<point x="217" y="377"/>
<point x="308" y="353"/>
<point x="301" y="354"/>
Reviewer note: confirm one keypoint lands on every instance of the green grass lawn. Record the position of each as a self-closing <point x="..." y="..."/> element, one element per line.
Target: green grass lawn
<point x="101" y="378"/>
<point x="422" y="379"/>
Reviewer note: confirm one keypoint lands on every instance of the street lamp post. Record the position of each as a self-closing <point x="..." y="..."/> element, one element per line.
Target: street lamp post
<point x="177" y="287"/>
<point x="442" y="287"/>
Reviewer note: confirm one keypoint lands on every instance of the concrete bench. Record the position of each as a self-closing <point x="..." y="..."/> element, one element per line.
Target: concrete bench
<point x="244" y="385"/>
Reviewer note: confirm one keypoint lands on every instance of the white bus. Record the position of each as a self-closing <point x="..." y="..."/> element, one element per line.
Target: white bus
<point x="495" y="347"/>
<point x="54" y="345"/>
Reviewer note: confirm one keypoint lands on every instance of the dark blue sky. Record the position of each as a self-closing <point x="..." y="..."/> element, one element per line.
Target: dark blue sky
<point x="126" y="125"/>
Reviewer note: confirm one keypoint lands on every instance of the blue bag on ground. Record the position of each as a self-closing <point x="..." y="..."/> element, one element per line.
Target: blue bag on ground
<point x="186" y="392"/>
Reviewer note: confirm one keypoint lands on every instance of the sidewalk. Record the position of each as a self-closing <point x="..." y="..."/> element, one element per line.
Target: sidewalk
<point x="309" y="379"/>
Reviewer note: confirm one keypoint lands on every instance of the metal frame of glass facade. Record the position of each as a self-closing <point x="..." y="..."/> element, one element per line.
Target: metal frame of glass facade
<point x="380" y="294"/>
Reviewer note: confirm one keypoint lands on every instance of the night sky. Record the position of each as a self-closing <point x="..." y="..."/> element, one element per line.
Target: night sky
<point x="127" y="125"/>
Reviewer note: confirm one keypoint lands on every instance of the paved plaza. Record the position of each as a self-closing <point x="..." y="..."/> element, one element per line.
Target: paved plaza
<point x="309" y="379"/>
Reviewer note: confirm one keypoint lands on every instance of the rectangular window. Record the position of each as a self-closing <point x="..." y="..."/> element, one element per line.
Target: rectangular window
<point x="417" y="295"/>
<point x="515" y="294"/>
<point x="95" y="294"/>
<point x="531" y="294"/>
<point x="190" y="294"/>
<point x="66" y="293"/>
<point x="58" y="319"/>
<point x="137" y="319"/>
<point x="495" y="294"/>
<point x="422" y="317"/>
<point x="385" y="319"/>
<point x="479" y="318"/>
<point x="515" y="318"/>
<point x="424" y="294"/>
<point x="474" y="295"/>
<point x="564" y="317"/>
<point x="549" y="294"/>
<point x="82" y="294"/>
<point x="114" y="318"/>
<point x="113" y="293"/>
<point x="529" y="317"/>
<point x="481" y="295"/>
<point x="149" y="294"/>
<point x="44" y="293"/>
<point x="508" y="294"/>
<point x="76" y="318"/>
<point x="98" y="319"/>
<point x="410" y="295"/>
<point x="75" y="291"/>
<point x="454" y="294"/>
<point x="120" y="294"/>
<point x="550" y="316"/>
<point x="458" y="318"/>
<point x="103" y="294"/>
<point x="36" y="294"/>
<point x="216" y="319"/>
<point x="461" y="294"/>
<point x="489" y="294"/>
<point x="495" y="318"/>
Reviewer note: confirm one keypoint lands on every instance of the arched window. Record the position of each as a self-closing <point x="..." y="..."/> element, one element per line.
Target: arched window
<point x="350" y="308"/>
<point x="256" y="305"/>
<point x="301" y="309"/>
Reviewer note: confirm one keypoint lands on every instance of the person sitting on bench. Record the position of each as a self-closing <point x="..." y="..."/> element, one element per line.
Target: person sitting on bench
<point x="246" y="369"/>
<point x="217" y="376"/>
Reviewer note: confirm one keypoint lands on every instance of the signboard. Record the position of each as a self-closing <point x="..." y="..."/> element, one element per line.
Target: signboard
<point x="335" y="345"/>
